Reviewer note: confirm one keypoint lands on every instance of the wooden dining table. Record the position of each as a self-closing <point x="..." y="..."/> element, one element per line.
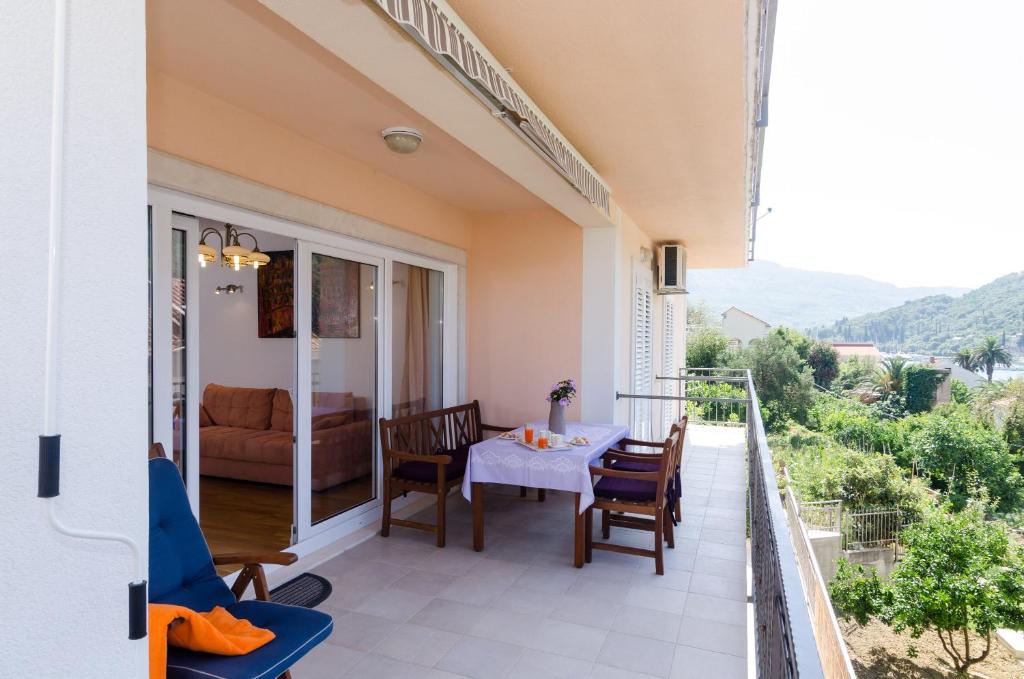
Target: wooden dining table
<point x="509" y="462"/>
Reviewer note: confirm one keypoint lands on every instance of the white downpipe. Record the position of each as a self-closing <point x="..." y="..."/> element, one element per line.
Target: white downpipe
<point x="53" y="290"/>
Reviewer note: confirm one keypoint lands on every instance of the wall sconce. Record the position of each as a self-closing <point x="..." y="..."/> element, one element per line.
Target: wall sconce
<point x="228" y="289"/>
<point x="232" y="252"/>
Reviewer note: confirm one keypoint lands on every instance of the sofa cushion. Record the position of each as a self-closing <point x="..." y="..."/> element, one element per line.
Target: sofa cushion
<point x="273" y="447"/>
<point x="238" y="406"/>
<point x="230" y="442"/>
<point x="331" y="420"/>
<point x="426" y="472"/>
<point x="204" y="417"/>
<point x="281" y="417"/>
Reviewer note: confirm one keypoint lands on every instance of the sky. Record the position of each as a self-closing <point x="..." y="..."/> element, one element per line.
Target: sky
<point x="895" y="144"/>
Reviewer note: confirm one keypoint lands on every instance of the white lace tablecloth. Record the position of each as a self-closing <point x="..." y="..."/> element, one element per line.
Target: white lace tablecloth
<point x="500" y="461"/>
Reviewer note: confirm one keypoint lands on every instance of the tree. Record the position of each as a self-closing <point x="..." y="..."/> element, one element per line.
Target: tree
<point x="707" y="348"/>
<point x="824" y="361"/>
<point x="784" y="381"/>
<point x="960" y="575"/>
<point x="965" y="359"/>
<point x="1013" y="427"/>
<point x="794" y="338"/>
<point x="888" y="377"/>
<point x="852" y="373"/>
<point x="991" y="353"/>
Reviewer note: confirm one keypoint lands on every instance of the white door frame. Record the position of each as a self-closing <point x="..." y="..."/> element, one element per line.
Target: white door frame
<point x="164" y="202"/>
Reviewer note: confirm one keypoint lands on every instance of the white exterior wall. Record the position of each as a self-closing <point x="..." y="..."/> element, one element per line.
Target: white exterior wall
<point x="738" y="326"/>
<point x="65" y="601"/>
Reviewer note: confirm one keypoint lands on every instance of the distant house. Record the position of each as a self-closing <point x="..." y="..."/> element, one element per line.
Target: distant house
<point x="971" y="379"/>
<point x="862" y="350"/>
<point x="742" y="327"/>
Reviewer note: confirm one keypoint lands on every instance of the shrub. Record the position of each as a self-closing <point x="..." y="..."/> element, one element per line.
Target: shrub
<point x="959" y="392"/>
<point x="919" y="385"/>
<point x="822" y="470"/>
<point x="716" y="411"/>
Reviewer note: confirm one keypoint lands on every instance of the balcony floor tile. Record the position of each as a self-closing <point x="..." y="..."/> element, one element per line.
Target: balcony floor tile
<point x="405" y="609"/>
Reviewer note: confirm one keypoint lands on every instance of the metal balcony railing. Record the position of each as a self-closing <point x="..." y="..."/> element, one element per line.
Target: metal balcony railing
<point x="795" y="631"/>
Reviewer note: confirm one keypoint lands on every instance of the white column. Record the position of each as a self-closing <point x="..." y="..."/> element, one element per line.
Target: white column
<point x="49" y="579"/>
<point x="602" y="279"/>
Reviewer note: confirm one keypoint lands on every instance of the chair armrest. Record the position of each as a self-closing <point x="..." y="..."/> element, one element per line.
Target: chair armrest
<point x="244" y="558"/>
<point x="413" y="457"/>
<point x="494" y="427"/>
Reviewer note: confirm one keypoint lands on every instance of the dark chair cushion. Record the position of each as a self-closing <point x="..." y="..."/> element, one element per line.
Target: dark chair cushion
<point x="181" y="569"/>
<point x="630" y="490"/>
<point x="298" y="630"/>
<point x="426" y="472"/>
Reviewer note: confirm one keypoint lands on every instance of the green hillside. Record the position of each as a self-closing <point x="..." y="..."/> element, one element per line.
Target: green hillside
<point x="941" y="324"/>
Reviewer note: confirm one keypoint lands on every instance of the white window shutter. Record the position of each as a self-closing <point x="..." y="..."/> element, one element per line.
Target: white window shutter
<point x="668" y="364"/>
<point x="643" y="353"/>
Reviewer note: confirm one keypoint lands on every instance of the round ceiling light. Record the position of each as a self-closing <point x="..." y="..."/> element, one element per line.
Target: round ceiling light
<point x="402" y="139"/>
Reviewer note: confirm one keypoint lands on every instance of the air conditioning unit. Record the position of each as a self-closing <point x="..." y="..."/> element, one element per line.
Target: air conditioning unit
<point x="671" y="269"/>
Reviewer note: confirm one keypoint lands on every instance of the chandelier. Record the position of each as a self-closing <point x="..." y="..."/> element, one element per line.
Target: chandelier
<point x="233" y="253"/>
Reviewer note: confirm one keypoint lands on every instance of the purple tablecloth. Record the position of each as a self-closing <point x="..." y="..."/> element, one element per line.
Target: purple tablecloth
<point x="500" y="461"/>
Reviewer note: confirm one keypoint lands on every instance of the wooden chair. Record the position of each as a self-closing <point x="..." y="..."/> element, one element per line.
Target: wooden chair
<point x="156" y="451"/>
<point x="427" y="453"/>
<point x="675" y="481"/>
<point x="634" y="493"/>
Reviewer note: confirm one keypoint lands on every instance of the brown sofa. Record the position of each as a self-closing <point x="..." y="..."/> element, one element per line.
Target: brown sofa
<point x="246" y="434"/>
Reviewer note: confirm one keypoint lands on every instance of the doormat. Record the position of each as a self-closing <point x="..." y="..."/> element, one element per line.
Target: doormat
<point x="307" y="590"/>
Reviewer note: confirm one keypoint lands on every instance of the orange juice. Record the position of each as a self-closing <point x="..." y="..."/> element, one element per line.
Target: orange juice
<point x="542" y="441"/>
<point x="528" y="434"/>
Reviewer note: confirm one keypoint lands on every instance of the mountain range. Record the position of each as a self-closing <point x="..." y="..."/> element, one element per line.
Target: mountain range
<point x="798" y="298"/>
<point x="942" y="324"/>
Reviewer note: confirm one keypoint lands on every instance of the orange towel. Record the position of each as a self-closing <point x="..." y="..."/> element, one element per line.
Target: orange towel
<point x="215" y="632"/>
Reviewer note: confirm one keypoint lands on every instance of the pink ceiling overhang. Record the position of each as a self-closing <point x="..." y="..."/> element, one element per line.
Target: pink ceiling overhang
<point x="431" y="27"/>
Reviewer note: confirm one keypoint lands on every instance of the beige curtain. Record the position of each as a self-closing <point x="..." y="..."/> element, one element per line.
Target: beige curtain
<point x="416" y="372"/>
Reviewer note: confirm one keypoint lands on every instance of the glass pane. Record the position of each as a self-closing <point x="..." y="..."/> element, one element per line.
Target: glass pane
<point x="178" y="254"/>
<point x="416" y="339"/>
<point x="344" y="384"/>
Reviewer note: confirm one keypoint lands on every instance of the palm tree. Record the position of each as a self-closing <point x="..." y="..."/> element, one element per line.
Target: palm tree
<point x="991" y="353"/>
<point x="965" y="359"/>
<point x="888" y="377"/>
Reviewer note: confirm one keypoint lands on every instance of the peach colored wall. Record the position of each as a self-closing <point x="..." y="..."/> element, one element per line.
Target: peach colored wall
<point x="524" y="307"/>
<point x="524" y="267"/>
<point x="191" y="124"/>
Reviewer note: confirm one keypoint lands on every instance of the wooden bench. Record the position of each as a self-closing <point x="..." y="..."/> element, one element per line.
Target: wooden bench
<point x="427" y="453"/>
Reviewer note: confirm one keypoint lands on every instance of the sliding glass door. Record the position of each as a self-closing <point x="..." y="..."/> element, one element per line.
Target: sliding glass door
<point x="340" y="342"/>
<point x="375" y="334"/>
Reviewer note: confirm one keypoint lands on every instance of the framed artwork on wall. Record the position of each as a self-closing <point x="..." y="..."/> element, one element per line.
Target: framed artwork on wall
<point x="275" y="291"/>
<point x="335" y="297"/>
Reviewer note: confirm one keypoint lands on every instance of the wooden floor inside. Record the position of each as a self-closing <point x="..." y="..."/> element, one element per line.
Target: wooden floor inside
<point x="240" y="516"/>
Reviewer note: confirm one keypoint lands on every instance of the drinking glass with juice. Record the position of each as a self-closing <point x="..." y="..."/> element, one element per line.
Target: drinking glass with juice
<point x="542" y="440"/>
<point x="528" y="433"/>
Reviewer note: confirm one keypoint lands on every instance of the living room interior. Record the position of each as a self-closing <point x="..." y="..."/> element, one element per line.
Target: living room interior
<point x="247" y="429"/>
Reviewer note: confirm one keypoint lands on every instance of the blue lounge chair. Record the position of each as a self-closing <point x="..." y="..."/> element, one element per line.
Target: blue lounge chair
<point x="182" y="571"/>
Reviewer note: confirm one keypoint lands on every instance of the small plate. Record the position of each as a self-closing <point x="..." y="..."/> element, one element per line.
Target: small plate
<point x="508" y="436"/>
